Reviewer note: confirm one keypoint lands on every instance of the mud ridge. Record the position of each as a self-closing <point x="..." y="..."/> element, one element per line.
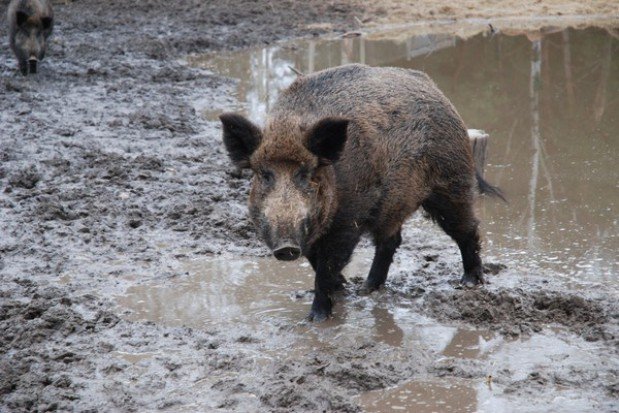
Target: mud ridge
<point x="520" y="312"/>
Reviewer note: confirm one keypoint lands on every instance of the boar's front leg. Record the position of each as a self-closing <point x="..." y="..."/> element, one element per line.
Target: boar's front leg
<point x="329" y="257"/>
<point x="23" y="66"/>
<point x="340" y="280"/>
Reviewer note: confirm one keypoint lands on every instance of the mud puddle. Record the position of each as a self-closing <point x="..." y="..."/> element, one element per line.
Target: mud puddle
<point x="423" y="397"/>
<point x="258" y="306"/>
<point x="548" y="99"/>
<point x="463" y="395"/>
<point x="267" y="301"/>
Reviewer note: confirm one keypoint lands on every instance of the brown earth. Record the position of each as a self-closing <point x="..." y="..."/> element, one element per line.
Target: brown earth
<point x="109" y="178"/>
<point x="523" y="14"/>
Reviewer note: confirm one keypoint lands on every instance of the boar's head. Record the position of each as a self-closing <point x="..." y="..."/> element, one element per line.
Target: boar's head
<point x="293" y="195"/>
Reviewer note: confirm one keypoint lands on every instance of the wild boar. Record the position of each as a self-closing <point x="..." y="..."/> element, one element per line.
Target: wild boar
<point x="30" y="24"/>
<point x="356" y="150"/>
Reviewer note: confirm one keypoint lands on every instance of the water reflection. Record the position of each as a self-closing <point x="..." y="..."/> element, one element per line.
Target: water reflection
<point x="448" y="396"/>
<point x="519" y="357"/>
<point x="216" y="291"/>
<point x="469" y="344"/>
<point x="258" y="304"/>
<point x="264" y="72"/>
<point x="263" y="295"/>
<point x="550" y="101"/>
<point x="387" y="329"/>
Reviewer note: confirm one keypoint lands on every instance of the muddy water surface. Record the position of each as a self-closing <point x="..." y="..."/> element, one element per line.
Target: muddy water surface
<point x="266" y="296"/>
<point x="550" y="101"/>
<point x="260" y="303"/>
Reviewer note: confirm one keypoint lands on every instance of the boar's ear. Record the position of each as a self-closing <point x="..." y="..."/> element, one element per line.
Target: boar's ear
<point x="241" y="138"/>
<point x="327" y="138"/>
<point x="20" y="18"/>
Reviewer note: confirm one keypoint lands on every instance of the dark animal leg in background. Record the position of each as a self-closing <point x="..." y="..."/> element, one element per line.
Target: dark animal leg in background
<point x="32" y="64"/>
<point x="459" y="222"/>
<point x="383" y="257"/>
<point x="330" y="257"/>
<point x="23" y="67"/>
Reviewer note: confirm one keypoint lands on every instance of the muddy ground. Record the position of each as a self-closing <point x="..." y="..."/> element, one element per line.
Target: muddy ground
<point x="109" y="178"/>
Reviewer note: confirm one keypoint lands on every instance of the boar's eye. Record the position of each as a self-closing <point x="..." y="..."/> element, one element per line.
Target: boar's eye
<point x="267" y="177"/>
<point x="303" y="176"/>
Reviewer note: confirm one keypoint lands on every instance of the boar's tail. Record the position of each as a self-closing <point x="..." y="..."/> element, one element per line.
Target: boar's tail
<point x="486" y="188"/>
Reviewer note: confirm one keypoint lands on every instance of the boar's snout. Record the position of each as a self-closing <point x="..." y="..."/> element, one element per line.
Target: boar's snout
<point x="287" y="252"/>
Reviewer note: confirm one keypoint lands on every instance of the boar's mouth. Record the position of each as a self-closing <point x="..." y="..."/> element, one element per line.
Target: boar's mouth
<point x="287" y="252"/>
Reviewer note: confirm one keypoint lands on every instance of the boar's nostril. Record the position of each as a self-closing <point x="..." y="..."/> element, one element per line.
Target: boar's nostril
<point x="287" y="252"/>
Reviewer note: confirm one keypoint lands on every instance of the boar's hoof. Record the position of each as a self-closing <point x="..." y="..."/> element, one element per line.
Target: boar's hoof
<point x="318" y="316"/>
<point x="32" y="65"/>
<point x="368" y="288"/>
<point x="321" y="309"/>
<point x="472" y="279"/>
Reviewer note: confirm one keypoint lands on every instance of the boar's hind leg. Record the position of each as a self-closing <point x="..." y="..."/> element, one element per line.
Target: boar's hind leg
<point x="458" y="220"/>
<point x="383" y="257"/>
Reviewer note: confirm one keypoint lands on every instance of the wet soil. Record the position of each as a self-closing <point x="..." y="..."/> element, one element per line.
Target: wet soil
<point x="527" y="14"/>
<point x="111" y="181"/>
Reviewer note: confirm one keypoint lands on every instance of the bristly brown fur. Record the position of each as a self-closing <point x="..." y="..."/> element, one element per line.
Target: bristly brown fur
<point x="404" y="147"/>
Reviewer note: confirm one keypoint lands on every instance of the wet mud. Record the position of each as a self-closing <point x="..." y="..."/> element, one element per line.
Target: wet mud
<point x="131" y="279"/>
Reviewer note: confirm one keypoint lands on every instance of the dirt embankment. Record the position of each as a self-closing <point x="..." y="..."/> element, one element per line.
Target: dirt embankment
<point x="522" y="14"/>
<point x="108" y="176"/>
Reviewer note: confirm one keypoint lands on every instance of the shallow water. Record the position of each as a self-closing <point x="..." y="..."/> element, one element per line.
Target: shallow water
<point x="259" y="303"/>
<point x="550" y="102"/>
<point x="448" y="396"/>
